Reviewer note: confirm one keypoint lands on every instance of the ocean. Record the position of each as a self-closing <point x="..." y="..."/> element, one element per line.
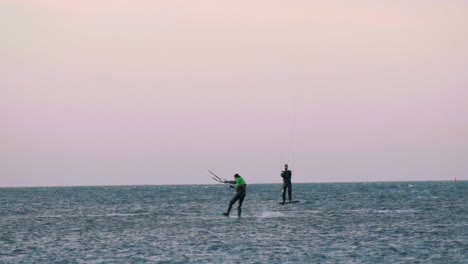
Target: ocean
<point x="391" y="222"/>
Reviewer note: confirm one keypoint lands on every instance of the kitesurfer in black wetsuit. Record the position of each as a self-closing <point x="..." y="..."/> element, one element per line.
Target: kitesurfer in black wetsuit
<point x="286" y="175"/>
<point x="241" y="190"/>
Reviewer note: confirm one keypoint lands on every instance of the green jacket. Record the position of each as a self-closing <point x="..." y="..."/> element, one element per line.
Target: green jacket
<point x="240" y="184"/>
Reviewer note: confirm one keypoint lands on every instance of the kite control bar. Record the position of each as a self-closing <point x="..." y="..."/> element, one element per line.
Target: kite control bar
<point x="217" y="178"/>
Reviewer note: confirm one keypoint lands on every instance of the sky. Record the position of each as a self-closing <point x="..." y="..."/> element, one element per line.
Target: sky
<point x="114" y="92"/>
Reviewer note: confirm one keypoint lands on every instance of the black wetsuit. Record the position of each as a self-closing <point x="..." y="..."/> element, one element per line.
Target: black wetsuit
<point x="240" y="195"/>
<point x="287" y="174"/>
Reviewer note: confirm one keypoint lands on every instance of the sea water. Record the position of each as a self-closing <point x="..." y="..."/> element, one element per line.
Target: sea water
<point x="405" y="222"/>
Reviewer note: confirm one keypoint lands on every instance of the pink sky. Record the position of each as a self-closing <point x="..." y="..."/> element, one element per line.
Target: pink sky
<point x="158" y="92"/>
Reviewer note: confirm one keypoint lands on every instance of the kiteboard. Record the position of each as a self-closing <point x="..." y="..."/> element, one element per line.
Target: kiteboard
<point x="288" y="202"/>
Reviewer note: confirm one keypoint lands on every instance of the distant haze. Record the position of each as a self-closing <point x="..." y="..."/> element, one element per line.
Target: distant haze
<point x="116" y="92"/>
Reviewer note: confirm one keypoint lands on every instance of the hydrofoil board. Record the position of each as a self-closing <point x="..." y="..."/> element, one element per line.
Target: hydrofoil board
<point x="288" y="202"/>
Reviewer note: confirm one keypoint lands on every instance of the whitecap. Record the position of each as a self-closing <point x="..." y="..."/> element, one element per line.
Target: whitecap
<point x="272" y="214"/>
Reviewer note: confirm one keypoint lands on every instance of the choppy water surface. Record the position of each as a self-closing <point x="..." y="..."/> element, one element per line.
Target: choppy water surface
<point x="420" y="222"/>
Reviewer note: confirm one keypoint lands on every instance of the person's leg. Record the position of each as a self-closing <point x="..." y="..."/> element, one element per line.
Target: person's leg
<point x="233" y="200"/>
<point x="284" y="191"/>
<point x="290" y="192"/>
<point x="239" y="208"/>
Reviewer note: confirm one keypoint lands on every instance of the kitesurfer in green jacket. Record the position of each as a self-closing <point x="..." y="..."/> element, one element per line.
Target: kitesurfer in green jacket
<point x="241" y="190"/>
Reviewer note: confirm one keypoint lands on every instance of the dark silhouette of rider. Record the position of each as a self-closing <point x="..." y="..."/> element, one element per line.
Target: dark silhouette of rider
<point x="286" y="175"/>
